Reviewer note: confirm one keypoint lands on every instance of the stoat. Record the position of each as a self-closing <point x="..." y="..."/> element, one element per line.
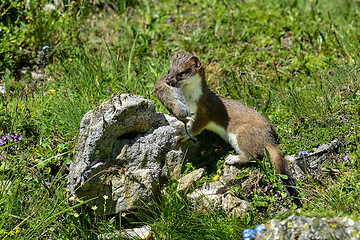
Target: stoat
<point x="248" y="132"/>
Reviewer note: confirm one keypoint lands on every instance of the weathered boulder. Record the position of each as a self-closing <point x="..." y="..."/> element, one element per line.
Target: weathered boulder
<point x="125" y="152"/>
<point x="304" y="228"/>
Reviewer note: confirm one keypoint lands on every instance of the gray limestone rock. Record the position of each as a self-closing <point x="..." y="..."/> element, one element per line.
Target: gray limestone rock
<point x="125" y="151"/>
<point x="304" y="228"/>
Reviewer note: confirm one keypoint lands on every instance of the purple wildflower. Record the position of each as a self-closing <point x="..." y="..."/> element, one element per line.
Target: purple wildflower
<point x="16" y="137"/>
<point x="302" y="120"/>
<point x="46" y="183"/>
<point x="260" y="105"/>
<point x="247" y="192"/>
<point x="346" y="157"/>
<point x="4" y="140"/>
<point x="269" y="186"/>
<point x="171" y="19"/>
<point x="265" y="101"/>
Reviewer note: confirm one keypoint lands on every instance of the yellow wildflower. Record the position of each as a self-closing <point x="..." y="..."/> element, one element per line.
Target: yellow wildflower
<point x="76" y="215"/>
<point x="52" y="91"/>
<point x="216" y="177"/>
<point x="218" y="171"/>
<point x="17" y="230"/>
<point x="105" y="197"/>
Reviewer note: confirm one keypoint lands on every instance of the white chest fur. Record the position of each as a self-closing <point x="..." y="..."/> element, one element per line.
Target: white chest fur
<point x="227" y="136"/>
<point x="192" y="90"/>
<point x="219" y="130"/>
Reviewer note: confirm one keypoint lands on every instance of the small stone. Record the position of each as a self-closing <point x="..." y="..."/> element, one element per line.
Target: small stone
<point x="135" y="233"/>
<point x="2" y="90"/>
<point x="188" y="181"/>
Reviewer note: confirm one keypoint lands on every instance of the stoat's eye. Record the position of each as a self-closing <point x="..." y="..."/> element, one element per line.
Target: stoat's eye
<point x="181" y="74"/>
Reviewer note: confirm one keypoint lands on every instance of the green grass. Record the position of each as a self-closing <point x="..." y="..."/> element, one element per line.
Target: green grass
<point x="300" y="56"/>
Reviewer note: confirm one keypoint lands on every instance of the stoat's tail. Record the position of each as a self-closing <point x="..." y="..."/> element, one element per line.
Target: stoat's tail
<point x="281" y="167"/>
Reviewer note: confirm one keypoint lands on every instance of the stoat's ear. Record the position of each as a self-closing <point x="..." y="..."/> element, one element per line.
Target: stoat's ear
<point x="196" y="61"/>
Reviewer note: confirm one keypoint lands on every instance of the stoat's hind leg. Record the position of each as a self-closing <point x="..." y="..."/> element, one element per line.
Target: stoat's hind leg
<point x="241" y="158"/>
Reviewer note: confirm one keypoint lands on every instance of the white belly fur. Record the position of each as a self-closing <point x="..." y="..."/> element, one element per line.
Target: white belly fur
<point x="229" y="137"/>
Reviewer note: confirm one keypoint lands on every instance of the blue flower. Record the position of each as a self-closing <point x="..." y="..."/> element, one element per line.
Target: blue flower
<point x="260" y="229"/>
<point x="346" y="157"/>
<point x="45" y="47"/>
<point x="248" y="234"/>
<point x="303" y="153"/>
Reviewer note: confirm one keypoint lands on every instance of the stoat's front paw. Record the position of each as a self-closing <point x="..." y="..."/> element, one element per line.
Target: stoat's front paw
<point x="180" y="132"/>
<point x="232" y="159"/>
<point x="179" y="127"/>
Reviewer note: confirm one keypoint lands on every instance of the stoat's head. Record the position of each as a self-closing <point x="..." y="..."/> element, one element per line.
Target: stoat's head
<point x="184" y="67"/>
